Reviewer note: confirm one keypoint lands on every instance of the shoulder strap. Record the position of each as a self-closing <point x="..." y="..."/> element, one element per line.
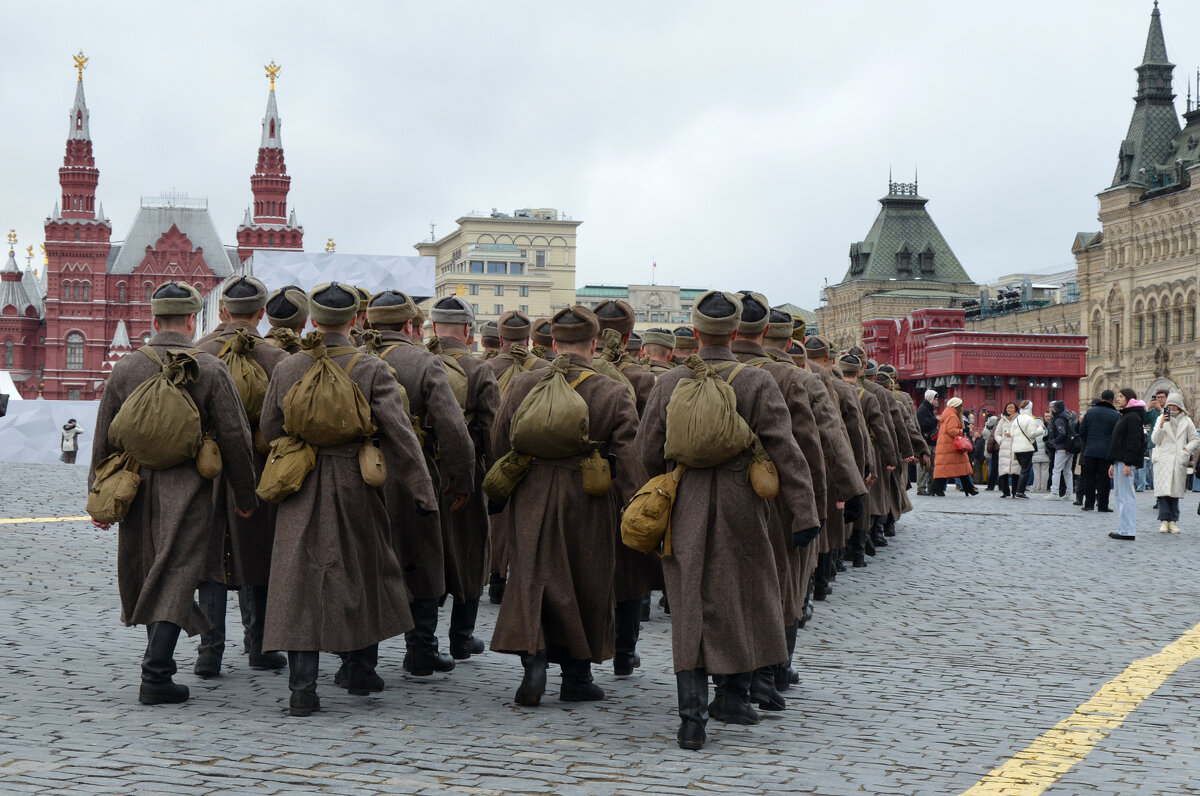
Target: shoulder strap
<point x="581" y="378"/>
<point x="457" y="354"/>
<point x="225" y="348"/>
<point x="861" y="390"/>
<point x="528" y="363"/>
<point x="154" y="357"/>
<point x="622" y="365"/>
<point x="390" y="349"/>
<point x="740" y="367"/>
<point x="353" y="361"/>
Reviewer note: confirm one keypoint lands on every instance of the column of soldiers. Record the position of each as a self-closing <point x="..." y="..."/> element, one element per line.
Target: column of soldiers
<point x="341" y="566"/>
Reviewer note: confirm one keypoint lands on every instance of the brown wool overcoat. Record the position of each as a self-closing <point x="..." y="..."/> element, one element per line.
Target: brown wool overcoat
<point x="162" y="545"/>
<point x="845" y="400"/>
<point x="560" y="595"/>
<point x="240" y="554"/>
<point x="725" y="600"/>
<point x="883" y="449"/>
<point x="500" y="525"/>
<point x="891" y="415"/>
<point x="465" y="532"/>
<point x="789" y="561"/>
<point x="449" y="458"/>
<point x="336" y="583"/>
<point x="948" y="462"/>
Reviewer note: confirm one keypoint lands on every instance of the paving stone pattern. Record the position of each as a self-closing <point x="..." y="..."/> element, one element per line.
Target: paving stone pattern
<point x="984" y="623"/>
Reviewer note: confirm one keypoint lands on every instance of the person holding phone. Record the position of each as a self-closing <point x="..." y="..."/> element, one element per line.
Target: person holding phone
<point x="1175" y="443"/>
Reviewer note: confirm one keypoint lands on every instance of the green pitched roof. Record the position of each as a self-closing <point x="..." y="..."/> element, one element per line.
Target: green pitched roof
<point x="902" y="229"/>
<point x="1150" y="141"/>
<point x="602" y="291"/>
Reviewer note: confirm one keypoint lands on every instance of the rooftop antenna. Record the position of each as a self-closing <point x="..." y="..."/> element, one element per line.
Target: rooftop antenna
<point x="1189" y="94"/>
<point x="432" y="228"/>
<point x="915" y="181"/>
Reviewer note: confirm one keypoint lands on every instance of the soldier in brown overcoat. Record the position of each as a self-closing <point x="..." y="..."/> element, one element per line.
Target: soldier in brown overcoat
<point x="287" y="312"/>
<point x="449" y="456"/>
<point x="893" y="482"/>
<point x="513" y="357"/>
<point x="658" y="346"/>
<point x="163" y="541"/>
<point x="543" y="341"/>
<point x="726" y="609"/>
<point x="240" y="556"/>
<point x="559" y="605"/>
<point x="685" y="344"/>
<point x="489" y="340"/>
<point x="907" y="427"/>
<point x="336" y="583"/>
<point x="465" y="532"/>
<point x="636" y="573"/>
<point x="886" y="459"/>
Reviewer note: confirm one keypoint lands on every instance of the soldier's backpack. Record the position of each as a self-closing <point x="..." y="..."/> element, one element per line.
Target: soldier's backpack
<point x="608" y="363"/>
<point x="325" y="407"/>
<point x="704" y="428"/>
<point x="552" y="420"/>
<point x="283" y="337"/>
<point x="159" y="424"/>
<point x="455" y="374"/>
<point x="249" y="377"/>
<point x="522" y="361"/>
<point x="113" y="489"/>
<point x="646" y="521"/>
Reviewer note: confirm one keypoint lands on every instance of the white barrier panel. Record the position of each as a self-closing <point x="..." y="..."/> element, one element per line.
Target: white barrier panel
<point x="32" y="430"/>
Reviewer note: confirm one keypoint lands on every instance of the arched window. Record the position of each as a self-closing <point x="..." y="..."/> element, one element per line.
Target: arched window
<point x="121" y="295"/>
<point x="271" y="239"/>
<point x="74" y="351"/>
<point x="272" y="128"/>
<point x="149" y="291"/>
<point x="87" y="286"/>
<point x="78" y="120"/>
<point x="8" y="354"/>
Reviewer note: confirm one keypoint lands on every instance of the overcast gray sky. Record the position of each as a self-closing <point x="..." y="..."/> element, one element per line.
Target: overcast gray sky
<point x="741" y="145"/>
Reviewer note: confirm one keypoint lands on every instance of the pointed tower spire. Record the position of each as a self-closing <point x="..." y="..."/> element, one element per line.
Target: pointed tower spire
<point x="1155" y="123"/>
<point x="79" y="175"/>
<point x="266" y="225"/>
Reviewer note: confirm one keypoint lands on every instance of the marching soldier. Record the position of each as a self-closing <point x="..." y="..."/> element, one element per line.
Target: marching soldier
<point x="633" y="346"/>
<point x="336" y="583"/>
<point x="896" y="480"/>
<point x="886" y="377"/>
<point x="360" y="319"/>
<point x="685" y="344"/>
<point x="287" y="312"/>
<point x="465" y="532"/>
<point x="543" y="341"/>
<point x="885" y="457"/>
<point x="618" y="315"/>
<point x="558" y="606"/>
<point x="163" y="541"/>
<point x="449" y="456"/>
<point x="241" y="552"/>
<point x="489" y="340"/>
<point x="726" y="608"/>
<point x="658" y="346"/>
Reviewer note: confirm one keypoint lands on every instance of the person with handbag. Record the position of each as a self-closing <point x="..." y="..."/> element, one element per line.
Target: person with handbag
<point x="952" y="458"/>
<point x="1025" y="430"/>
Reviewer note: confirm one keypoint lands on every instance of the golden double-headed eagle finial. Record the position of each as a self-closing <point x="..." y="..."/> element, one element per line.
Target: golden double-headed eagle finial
<point x="80" y="64"/>
<point x="272" y="72"/>
<point x="12" y="239"/>
<point x="330" y="246"/>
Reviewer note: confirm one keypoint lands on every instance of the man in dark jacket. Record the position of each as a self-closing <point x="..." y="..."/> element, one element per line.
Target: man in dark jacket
<point x="1059" y="433"/>
<point x="927" y="419"/>
<point x="1095" y="430"/>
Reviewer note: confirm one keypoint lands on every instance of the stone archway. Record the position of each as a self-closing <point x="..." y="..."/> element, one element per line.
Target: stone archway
<point x="1162" y="382"/>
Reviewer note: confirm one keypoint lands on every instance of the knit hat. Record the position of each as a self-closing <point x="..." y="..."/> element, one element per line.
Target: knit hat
<point x="540" y="331"/>
<point x="634" y="344"/>
<point x="243" y="295"/>
<point x="662" y="337"/>
<point x="849" y="363"/>
<point x="575" y="324"/>
<point x="333" y="304"/>
<point x="954" y="402"/>
<point x="175" y="298"/>
<point x="717" y="313"/>
<point x="287" y="307"/>
<point x="816" y="347"/>
<point x="931" y="395"/>
<point x="685" y="341"/>
<point x="615" y="314"/>
<point x="779" y="325"/>
<point x="391" y="307"/>
<point x="756" y="313"/>
<point x="514" y="325"/>
<point x="452" y="309"/>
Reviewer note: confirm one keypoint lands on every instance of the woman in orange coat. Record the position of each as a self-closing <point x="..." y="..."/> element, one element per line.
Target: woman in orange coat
<point x="949" y="462"/>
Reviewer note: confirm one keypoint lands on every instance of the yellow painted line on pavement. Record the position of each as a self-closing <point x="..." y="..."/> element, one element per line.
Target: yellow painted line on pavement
<point x="1056" y="752"/>
<point x="24" y="520"/>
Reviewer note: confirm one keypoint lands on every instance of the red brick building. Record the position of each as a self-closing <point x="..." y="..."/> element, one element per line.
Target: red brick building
<point x="932" y="349"/>
<point x="60" y="340"/>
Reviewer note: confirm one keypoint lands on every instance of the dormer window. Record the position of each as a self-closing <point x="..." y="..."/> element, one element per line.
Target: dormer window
<point x="904" y="259"/>
<point x="925" y="260"/>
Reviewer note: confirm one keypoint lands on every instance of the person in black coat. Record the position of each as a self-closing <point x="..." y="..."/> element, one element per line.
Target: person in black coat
<point x="1096" y="430"/>
<point x="927" y="421"/>
<point x="1126" y="452"/>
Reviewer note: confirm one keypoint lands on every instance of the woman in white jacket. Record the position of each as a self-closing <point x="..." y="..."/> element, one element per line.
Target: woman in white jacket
<point x="1006" y="462"/>
<point x="1175" y="442"/>
<point x="1025" y="433"/>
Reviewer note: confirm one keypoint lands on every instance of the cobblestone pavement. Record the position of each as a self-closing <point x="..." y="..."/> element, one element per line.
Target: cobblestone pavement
<point x="981" y="626"/>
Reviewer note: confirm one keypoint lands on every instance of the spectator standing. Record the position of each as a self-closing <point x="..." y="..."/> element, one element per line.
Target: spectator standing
<point x="1059" y="433"/>
<point x="978" y="455"/>
<point x="69" y="445"/>
<point x="989" y="431"/>
<point x="1153" y="412"/>
<point x="927" y="419"/>
<point x="1175" y="442"/>
<point x="1006" y="462"/>
<point x="1126" y="452"/>
<point x="1025" y="430"/>
<point x="1042" y="455"/>
<point x="1096" y="430"/>
<point x="949" y="462"/>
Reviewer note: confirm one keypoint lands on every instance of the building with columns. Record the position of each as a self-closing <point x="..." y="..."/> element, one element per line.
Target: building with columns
<point x="94" y="305"/>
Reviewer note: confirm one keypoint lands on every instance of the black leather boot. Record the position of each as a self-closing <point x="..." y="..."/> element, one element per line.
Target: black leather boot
<point x="533" y="684"/>
<point x="889" y="527"/>
<point x="665" y="604"/>
<point x="496" y="586"/>
<point x="211" y="597"/>
<point x="628" y="627"/>
<point x="877" y="537"/>
<point x="858" y="548"/>
<point x="361" y="678"/>
<point x="463" y="641"/>
<point x="763" y="692"/>
<point x="645" y="617"/>
<point x="692" y="687"/>
<point x="339" y="677"/>
<point x="302" y="679"/>
<point x="253" y="600"/>
<point x="422" y="658"/>
<point x="785" y="674"/>
<point x="158" y="665"/>
<point x="577" y="685"/>
<point x="732" y="703"/>
<point x="839" y="563"/>
<point x="806" y="613"/>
